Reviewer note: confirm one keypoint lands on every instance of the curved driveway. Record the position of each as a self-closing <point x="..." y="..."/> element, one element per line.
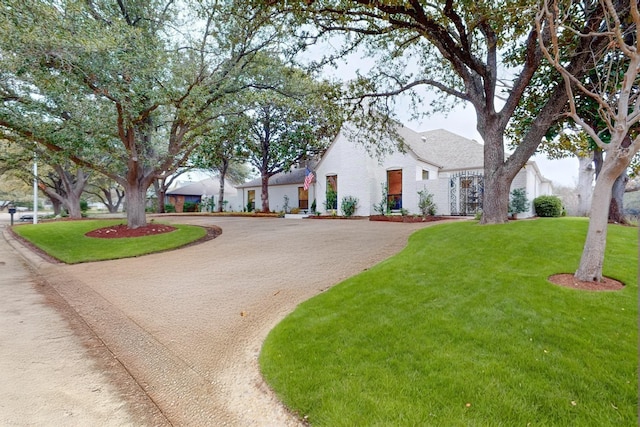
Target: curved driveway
<point x="188" y="324"/>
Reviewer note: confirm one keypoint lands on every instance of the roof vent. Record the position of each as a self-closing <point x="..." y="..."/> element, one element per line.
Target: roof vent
<point x="424" y="139"/>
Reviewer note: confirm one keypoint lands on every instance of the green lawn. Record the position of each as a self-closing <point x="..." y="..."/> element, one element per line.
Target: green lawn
<point x="66" y="240"/>
<point x="463" y="329"/>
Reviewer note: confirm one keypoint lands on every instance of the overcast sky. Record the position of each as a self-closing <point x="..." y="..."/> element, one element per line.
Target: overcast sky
<point x="461" y="121"/>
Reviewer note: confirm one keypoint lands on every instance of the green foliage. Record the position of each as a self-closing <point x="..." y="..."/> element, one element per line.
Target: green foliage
<point x="349" y="205"/>
<point x="111" y="86"/>
<point x="190" y="207"/>
<point x="168" y="208"/>
<point x="285" y="204"/>
<point x="486" y="341"/>
<point x="292" y="115"/>
<point x="208" y="204"/>
<point x="518" y="202"/>
<point x="67" y="242"/>
<point x="84" y="206"/>
<point x="313" y="207"/>
<point x="548" y="206"/>
<point x="331" y="201"/>
<point x="382" y="208"/>
<point x="425" y="203"/>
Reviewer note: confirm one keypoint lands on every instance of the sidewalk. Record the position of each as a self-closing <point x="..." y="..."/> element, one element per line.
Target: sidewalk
<point x="53" y="370"/>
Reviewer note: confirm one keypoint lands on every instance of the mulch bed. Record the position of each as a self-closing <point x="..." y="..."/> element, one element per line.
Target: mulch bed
<point x="569" y="281"/>
<point x="121" y="230"/>
<point x="335" y="217"/>
<point x="405" y="218"/>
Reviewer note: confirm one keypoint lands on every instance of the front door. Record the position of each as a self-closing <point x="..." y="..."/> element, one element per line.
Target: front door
<point x="394" y="190"/>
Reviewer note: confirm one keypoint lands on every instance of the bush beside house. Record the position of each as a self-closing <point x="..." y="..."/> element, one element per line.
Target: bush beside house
<point x="548" y="206"/>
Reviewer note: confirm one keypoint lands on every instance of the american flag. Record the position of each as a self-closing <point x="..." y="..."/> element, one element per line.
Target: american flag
<point x="308" y="178"/>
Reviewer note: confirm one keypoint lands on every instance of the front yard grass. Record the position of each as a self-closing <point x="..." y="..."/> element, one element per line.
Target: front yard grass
<point x="462" y="328"/>
<point x="66" y="240"/>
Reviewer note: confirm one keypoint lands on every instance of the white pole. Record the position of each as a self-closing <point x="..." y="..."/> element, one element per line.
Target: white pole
<point x="35" y="189"/>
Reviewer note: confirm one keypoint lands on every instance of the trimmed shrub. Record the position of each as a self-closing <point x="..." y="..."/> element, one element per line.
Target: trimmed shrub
<point x="190" y="207"/>
<point x="548" y="206"/>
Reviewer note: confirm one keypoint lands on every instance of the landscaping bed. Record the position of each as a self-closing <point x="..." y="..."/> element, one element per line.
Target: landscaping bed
<point x="335" y="217"/>
<point x="405" y="218"/>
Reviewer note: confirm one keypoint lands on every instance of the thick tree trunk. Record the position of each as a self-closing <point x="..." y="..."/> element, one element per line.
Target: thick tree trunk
<point x="495" y="205"/>
<point x="265" y="193"/>
<point x="72" y="202"/>
<point x="160" y="190"/>
<point x="57" y="206"/>
<point x="223" y="173"/>
<point x="592" y="259"/>
<point x="136" y="203"/>
<point x="111" y="205"/>
<point x="585" y="185"/>
<point x="495" y="202"/>
<point x="616" y="207"/>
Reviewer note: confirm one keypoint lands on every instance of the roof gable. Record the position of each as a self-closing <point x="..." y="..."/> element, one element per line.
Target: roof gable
<point x="294" y="176"/>
<point x="208" y="186"/>
<point x="445" y="149"/>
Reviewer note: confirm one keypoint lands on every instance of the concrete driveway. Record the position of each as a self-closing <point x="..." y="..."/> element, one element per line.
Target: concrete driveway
<point x="187" y="325"/>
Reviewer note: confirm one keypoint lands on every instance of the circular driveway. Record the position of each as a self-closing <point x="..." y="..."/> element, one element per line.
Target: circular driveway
<point x="188" y="324"/>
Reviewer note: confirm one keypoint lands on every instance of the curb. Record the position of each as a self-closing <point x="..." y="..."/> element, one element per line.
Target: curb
<point x="33" y="259"/>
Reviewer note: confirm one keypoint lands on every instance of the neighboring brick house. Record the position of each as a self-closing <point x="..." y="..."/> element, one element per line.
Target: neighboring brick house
<point x="444" y="164"/>
<point x="192" y="193"/>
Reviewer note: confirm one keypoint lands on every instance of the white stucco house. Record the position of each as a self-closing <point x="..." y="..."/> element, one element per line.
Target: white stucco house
<point x="448" y="166"/>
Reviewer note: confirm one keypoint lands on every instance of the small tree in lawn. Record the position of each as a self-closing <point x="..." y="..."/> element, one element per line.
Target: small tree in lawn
<point x="615" y="90"/>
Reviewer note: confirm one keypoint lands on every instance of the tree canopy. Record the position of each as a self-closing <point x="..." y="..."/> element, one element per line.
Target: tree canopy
<point x="614" y="88"/>
<point x="125" y="88"/>
<point x="485" y="54"/>
<point x="292" y="117"/>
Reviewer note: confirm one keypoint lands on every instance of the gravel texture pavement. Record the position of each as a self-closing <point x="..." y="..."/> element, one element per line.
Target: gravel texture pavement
<point x="173" y="338"/>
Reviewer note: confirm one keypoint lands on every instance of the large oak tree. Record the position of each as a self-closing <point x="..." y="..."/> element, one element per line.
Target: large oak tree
<point x="124" y="87"/>
<point x="476" y="52"/>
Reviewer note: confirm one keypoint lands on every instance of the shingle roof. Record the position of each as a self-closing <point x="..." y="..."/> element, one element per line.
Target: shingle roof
<point x="444" y="149"/>
<point x="295" y="176"/>
<point x="207" y="186"/>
